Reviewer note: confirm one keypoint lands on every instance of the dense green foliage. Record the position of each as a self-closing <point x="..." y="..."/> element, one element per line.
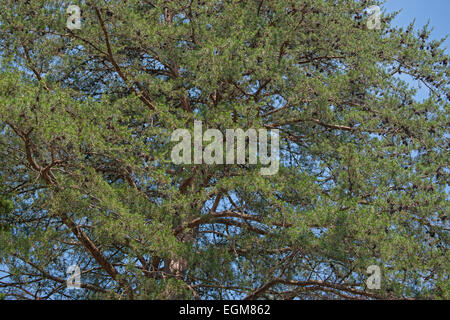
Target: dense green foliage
<point x="85" y="123"/>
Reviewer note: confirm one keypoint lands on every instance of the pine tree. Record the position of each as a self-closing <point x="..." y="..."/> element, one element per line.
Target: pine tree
<point x="86" y="116"/>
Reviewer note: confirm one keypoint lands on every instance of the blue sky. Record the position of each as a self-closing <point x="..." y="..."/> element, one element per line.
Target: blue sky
<point x="434" y="11"/>
<point x="437" y="11"/>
